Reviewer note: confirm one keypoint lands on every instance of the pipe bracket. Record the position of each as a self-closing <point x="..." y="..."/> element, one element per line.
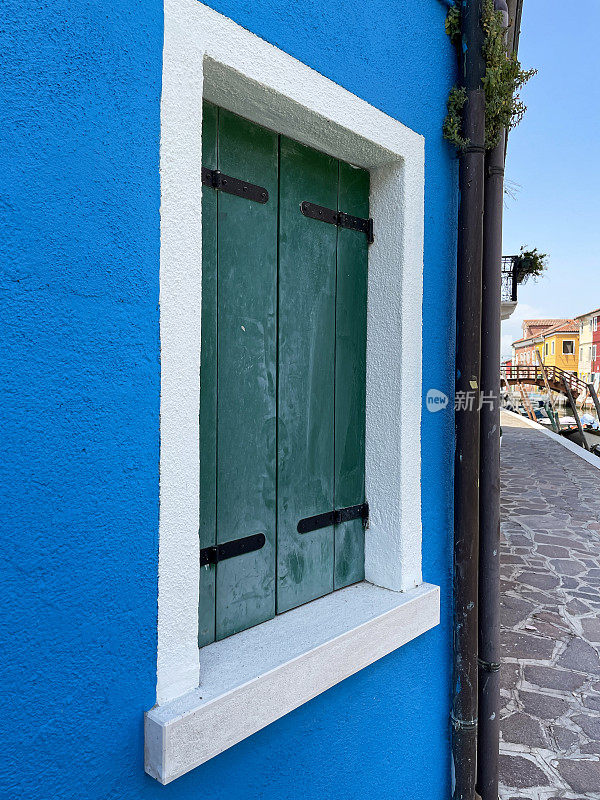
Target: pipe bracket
<point x="463" y="724"/>
<point x="488" y="666"/>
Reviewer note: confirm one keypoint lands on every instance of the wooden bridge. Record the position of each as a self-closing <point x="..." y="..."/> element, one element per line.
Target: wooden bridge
<point x="551" y="379"/>
<point x="555" y="378"/>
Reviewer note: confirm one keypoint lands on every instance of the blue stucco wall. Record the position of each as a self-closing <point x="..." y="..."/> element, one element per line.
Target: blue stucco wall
<point x="80" y="409"/>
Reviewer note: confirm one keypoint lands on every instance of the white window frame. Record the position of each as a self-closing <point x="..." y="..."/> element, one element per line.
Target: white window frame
<point x="595" y="323"/>
<point x="572" y="343"/>
<point x="254" y="677"/>
<point x="594" y="352"/>
<point x="552" y="348"/>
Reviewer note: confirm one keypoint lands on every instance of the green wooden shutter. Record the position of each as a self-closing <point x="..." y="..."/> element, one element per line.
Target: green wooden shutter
<point x="208" y="380"/>
<point x="307" y="259"/>
<point x="350" y="376"/>
<point x="282" y="399"/>
<point x="245" y="365"/>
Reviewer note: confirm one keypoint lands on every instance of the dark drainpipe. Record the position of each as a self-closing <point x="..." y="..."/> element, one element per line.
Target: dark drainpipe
<point x="468" y="354"/>
<point x="489" y="473"/>
<point x="489" y="482"/>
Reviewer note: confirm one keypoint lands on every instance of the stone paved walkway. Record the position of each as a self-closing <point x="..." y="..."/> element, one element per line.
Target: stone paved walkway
<point x="550" y="720"/>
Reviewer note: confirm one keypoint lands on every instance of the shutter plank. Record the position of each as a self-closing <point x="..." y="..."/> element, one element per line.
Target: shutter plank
<point x="246" y="381"/>
<point x="307" y="254"/>
<point x="208" y="379"/>
<point x="350" y="377"/>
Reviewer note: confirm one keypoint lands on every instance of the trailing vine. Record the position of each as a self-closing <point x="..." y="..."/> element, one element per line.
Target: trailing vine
<point x="452" y="24"/>
<point x="504" y="77"/>
<point x="452" y="128"/>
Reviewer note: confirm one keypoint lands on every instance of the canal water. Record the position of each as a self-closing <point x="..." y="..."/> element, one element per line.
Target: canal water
<point x="564" y="409"/>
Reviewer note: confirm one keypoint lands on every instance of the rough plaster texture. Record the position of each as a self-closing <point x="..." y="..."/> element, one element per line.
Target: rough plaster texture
<point x="80" y="253"/>
<point x="206" y="53"/>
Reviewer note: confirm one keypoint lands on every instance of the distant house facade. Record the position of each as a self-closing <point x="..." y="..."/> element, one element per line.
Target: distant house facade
<point x="524" y="349"/>
<point x="561" y="346"/>
<point x="589" y="350"/>
<point x="595" y="373"/>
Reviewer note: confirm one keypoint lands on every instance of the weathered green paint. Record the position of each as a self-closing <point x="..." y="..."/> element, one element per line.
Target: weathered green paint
<point x="350" y="376"/>
<point x="208" y="380"/>
<point x="282" y="402"/>
<point x="307" y="255"/>
<point x="246" y="374"/>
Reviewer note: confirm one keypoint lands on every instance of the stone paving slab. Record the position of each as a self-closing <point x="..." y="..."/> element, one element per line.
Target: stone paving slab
<point x="550" y="608"/>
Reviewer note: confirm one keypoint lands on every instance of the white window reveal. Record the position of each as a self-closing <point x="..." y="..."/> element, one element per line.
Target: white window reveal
<point x="568" y="347"/>
<point x="210" y="698"/>
<point x="552" y="348"/>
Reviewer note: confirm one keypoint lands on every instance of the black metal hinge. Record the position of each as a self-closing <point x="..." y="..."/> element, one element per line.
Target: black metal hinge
<point x="225" y="183"/>
<point x="237" y="547"/>
<point x="339" y="218"/>
<point x="334" y="518"/>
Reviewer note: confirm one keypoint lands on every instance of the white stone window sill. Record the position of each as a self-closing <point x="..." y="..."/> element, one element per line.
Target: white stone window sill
<point x="251" y="679"/>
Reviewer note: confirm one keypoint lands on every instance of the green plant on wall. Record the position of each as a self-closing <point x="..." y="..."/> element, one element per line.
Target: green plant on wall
<point x="504" y="77"/>
<point x="529" y="264"/>
<point x="452" y="128"/>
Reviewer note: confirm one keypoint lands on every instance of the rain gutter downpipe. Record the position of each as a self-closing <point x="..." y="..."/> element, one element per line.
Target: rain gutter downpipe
<point x="468" y="356"/>
<point x="489" y="481"/>
<point x="489" y="471"/>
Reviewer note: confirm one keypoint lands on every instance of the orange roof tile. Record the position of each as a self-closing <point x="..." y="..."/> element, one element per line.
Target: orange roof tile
<point x="569" y="326"/>
<point x="539" y="322"/>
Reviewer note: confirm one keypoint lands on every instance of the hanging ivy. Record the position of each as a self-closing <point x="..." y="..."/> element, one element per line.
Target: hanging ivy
<point x="452" y="24"/>
<point x="503" y="79"/>
<point x="452" y="128"/>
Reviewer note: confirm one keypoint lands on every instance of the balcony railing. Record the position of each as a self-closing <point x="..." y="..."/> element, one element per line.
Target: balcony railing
<point x="509" y="279"/>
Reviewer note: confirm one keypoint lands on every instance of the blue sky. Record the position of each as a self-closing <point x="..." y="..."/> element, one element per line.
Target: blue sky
<point x="553" y="162"/>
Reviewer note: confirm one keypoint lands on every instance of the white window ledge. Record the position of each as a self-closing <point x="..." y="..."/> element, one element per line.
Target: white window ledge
<point x="251" y="679"/>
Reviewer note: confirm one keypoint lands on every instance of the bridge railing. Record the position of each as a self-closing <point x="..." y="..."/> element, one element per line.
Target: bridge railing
<point x="534" y="375"/>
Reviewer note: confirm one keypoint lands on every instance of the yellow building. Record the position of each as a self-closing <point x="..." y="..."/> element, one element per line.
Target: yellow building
<point x="561" y="346"/>
<point x="539" y="346"/>
<point x="524" y="349"/>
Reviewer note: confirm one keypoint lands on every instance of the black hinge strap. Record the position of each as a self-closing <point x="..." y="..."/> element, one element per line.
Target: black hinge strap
<point x="225" y="183"/>
<point x="237" y="547"/>
<point x="334" y="518"/>
<point x="339" y="218"/>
